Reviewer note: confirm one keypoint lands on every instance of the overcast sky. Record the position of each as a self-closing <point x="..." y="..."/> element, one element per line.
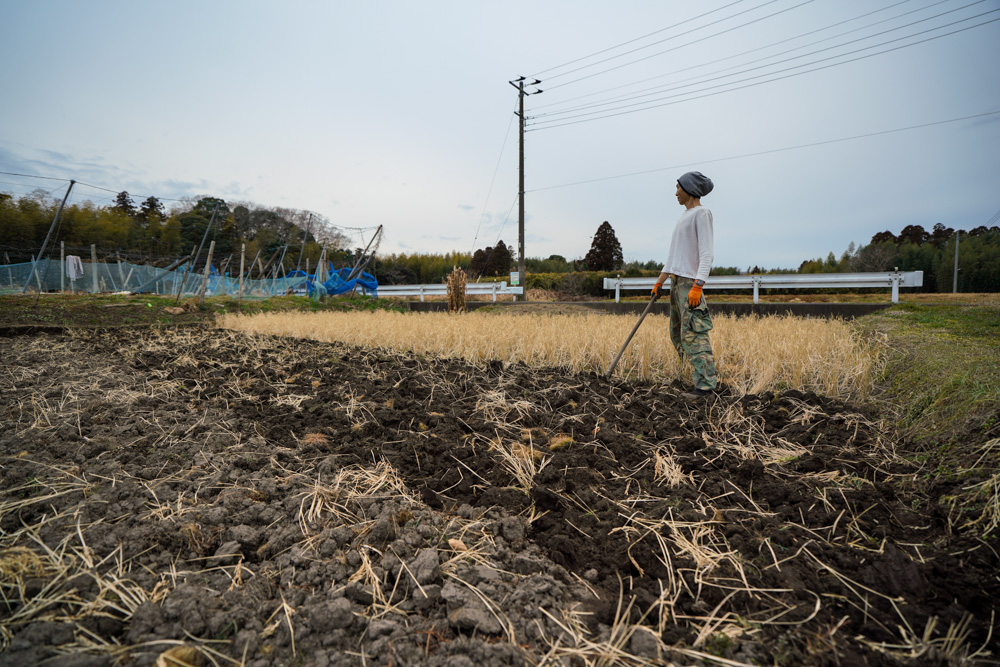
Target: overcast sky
<point x="400" y="113"/>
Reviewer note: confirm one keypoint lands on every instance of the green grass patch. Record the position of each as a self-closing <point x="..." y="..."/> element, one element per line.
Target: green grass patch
<point x="941" y="391"/>
<point x="980" y="323"/>
<point x="942" y="375"/>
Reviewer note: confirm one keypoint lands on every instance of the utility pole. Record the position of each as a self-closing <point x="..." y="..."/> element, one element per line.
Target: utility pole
<point x="521" y="92"/>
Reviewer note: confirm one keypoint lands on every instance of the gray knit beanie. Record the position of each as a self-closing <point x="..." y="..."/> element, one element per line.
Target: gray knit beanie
<point x="696" y="184"/>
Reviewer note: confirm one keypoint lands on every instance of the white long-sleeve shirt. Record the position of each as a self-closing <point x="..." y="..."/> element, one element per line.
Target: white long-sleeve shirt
<point x="691" y="246"/>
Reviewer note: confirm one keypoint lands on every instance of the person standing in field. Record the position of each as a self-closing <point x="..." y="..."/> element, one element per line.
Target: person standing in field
<point x="688" y="265"/>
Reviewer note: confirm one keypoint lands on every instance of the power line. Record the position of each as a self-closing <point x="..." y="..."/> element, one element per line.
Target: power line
<point x="492" y="181"/>
<point x="116" y="192"/>
<point x="486" y="262"/>
<point x="702" y="78"/>
<point x="996" y="217"/>
<point x="759" y="48"/>
<point x="27" y="186"/>
<point x="612" y="48"/>
<point x="768" y="152"/>
<point x="662" y="87"/>
<point x="661" y="41"/>
<point x="48" y="178"/>
<point x="660" y="53"/>
<point x="544" y="125"/>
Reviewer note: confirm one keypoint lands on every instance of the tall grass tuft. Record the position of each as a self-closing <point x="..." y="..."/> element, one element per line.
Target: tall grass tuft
<point x="753" y="354"/>
<point x="456" y="290"/>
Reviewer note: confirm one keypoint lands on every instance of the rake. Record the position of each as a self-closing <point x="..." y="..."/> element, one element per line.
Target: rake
<point x="614" y="362"/>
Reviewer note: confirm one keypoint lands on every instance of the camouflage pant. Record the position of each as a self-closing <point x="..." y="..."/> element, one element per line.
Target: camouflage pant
<point x="689" y="329"/>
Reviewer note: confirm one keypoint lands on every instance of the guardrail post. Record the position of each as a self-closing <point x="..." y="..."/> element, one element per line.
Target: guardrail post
<point x="894" y="277"/>
<point x="421" y="293"/>
<point x="494" y="292"/>
<point x="618" y="290"/>
<point x="756" y="289"/>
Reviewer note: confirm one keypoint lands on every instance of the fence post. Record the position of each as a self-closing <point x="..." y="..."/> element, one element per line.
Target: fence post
<point x="243" y="256"/>
<point x="93" y="265"/>
<point x="204" y="280"/>
<point x="62" y="266"/>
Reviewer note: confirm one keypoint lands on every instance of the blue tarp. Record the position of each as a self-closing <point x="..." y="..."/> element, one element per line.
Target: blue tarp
<point x="339" y="284"/>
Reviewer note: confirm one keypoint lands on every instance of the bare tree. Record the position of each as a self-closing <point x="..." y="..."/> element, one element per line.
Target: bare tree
<point x="874" y="257"/>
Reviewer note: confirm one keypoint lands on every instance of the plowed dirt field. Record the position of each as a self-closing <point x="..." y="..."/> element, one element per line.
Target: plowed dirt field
<point x="262" y="501"/>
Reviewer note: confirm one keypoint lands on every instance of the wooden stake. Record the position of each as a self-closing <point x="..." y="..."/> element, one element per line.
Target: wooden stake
<point x="204" y="279"/>
<point x="243" y="256"/>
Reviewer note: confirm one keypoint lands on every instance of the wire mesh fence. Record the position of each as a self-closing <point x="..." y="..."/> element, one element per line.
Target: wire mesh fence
<point x="75" y="275"/>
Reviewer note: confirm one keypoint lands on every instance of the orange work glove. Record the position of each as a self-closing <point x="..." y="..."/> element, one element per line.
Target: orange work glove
<point x="694" y="296"/>
<point x="656" y="288"/>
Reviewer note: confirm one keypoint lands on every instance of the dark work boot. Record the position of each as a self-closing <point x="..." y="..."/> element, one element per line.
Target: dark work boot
<point x="697" y="394"/>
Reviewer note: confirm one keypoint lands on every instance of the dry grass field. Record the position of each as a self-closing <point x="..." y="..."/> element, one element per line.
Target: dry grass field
<point x="753" y="354"/>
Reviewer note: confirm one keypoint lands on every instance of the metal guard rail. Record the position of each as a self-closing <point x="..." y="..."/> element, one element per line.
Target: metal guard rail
<point x="440" y="289"/>
<point x="890" y="279"/>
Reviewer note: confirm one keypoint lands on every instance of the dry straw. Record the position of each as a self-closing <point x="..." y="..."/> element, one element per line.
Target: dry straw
<point x="456" y="290"/>
<point x="753" y="354"/>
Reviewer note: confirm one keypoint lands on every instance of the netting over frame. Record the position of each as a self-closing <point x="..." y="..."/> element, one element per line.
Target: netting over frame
<point x="126" y="277"/>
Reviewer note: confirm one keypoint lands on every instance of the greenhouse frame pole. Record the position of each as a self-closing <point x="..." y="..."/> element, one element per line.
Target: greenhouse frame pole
<point x="304" y="239"/>
<point x="38" y="257"/>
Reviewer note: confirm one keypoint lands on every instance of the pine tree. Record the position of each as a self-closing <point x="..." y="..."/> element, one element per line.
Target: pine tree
<point x="491" y="261"/>
<point x="150" y="210"/>
<point x="605" y="251"/>
<point x="124" y="203"/>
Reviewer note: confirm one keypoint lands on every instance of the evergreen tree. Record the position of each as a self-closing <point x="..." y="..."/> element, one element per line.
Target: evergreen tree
<point x="124" y="204"/>
<point x="150" y="210"/>
<point x="940" y="234"/>
<point x="494" y="261"/>
<point x="605" y="251"/>
<point x="503" y="256"/>
<point x="914" y="234"/>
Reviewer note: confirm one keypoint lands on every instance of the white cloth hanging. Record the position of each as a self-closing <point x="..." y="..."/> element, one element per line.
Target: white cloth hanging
<point x="74" y="267"/>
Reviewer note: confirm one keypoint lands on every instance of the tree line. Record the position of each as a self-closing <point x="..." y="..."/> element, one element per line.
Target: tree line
<point x="933" y="252"/>
<point x="146" y="232"/>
